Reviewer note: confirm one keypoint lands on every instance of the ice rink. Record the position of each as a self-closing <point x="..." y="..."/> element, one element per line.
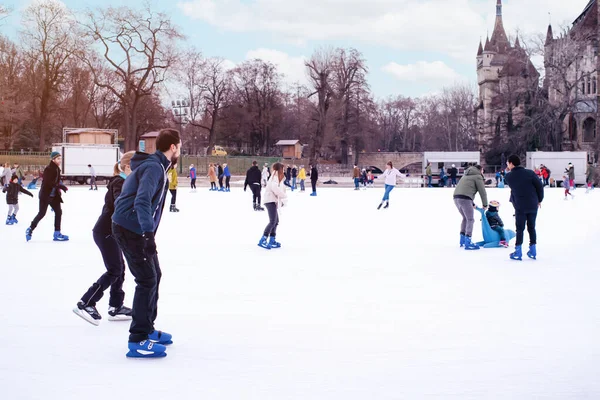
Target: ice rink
<point x="357" y="304"/>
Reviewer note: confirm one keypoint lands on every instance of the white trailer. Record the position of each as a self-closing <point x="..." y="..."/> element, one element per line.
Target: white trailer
<point x="77" y="157"/>
<point x="557" y="161"/>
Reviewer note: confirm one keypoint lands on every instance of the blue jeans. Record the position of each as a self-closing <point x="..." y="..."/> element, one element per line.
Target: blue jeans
<point x="302" y="184"/>
<point x="429" y="181"/>
<point x="500" y="231"/>
<point x="356" y="182"/>
<point x="388" y="189"/>
<point x="294" y="182"/>
<point x="453" y="179"/>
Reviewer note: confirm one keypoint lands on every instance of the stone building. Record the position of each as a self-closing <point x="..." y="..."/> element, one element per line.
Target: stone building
<point x="571" y="63"/>
<point x="506" y="79"/>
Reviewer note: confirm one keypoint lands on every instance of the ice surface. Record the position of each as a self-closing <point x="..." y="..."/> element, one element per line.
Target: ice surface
<point x="357" y="304"/>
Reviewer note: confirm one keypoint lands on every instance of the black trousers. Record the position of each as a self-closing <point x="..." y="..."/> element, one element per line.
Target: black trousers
<point x="56" y="206"/>
<point x="255" y="194"/>
<point x="227" y="178"/>
<point x="173" y="196"/>
<point x="314" y="185"/>
<point x="114" y="275"/>
<point x="221" y="181"/>
<point x="193" y="183"/>
<point x="147" y="274"/>
<point x="271" y="229"/>
<point x="523" y="218"/>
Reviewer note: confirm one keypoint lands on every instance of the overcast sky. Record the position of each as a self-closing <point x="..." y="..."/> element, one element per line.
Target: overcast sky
<point x="413" y="47"/>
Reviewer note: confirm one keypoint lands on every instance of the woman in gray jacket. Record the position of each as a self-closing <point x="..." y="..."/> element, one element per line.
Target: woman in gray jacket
<point x="469" y="185"/>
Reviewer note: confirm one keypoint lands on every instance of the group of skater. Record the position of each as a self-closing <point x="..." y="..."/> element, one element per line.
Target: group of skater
<point x="136" y="196"/>
<point x="446" y="178"/>
<point x="220" y="172"/>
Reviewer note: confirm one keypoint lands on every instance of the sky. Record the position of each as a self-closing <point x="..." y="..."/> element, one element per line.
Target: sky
<point x="412" y="47"/>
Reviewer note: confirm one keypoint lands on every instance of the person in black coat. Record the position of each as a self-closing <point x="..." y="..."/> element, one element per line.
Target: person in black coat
<point x="288" y="176"/>
<point x="12" y="199"/>
<point x="314" y="177"/>
<point x="50" y="196"/>
<point x="111" y="255"/>
<point x="453" y="172"/>
<point x="220" y="176"/>
<point x="527" y="194"/>
<point x="253" y="178"/>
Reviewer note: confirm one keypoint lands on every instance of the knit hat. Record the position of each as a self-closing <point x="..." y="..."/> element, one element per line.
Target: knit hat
<point x="495" y="203"/>
<point x="54" y="154"/>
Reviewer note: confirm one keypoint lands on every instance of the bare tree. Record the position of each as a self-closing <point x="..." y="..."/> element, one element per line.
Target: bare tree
<point x="48" y="41"/>
<point x="139" y="47"/>
<point x="319" y="69"/>
<point x="208" y="84"/>
<point x="12" y="96"/>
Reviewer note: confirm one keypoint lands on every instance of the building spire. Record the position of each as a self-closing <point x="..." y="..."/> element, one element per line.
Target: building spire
<point x="499" y="40"/>
<point x="549" y="35"/>
<point x="499" y="8"/>
<point x="487" y="44"/>
<point x="480" y="51"/>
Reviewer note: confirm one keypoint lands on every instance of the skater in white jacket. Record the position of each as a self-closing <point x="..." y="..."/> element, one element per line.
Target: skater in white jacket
<point x="265" y="174"/>
<point x="274" y="198"/>
<point x="389" y="175"/>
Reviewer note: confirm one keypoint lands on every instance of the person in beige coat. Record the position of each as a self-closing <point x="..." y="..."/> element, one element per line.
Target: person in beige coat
<point x="274" y="198"/>
<point x="212" y="177"/>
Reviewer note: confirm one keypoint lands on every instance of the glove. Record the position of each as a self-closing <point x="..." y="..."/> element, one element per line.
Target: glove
<point x="149" y="244"/>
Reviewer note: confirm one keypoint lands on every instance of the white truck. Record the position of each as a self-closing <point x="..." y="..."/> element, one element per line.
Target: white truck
<point x="77" y="156"/>
<point x="557" y="161"/>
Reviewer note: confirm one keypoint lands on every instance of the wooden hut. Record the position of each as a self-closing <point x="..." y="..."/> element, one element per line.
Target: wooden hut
<point x="89" y="136"/>
<point x="147" y="143"/>
<point x="290" y="148"/>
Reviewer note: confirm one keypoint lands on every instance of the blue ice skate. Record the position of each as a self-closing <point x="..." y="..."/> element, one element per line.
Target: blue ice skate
<point x="273" y="244"/>
<point x="263" y="243"/>
<point x="532" y="253"/>
<point x="9" y="220"/>
<point x="491" y="238"/>
<point x="59" y="237"/>
<point x="469" y="245"/>
<point x="160" y="337"/>
<point x="28" y="233"/>
<point x="517" y="255"/>
<point x="462" y="240"/>
<point x="313" y="194"/>
<point x="146" y="349"/>
<point x="14" y="218"/>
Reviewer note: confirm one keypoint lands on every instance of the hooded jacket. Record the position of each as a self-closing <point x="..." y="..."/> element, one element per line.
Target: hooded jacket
<point x="115" y="186"/>
<point x="12" y="192"/>
<point x="275" y="191"/>
<point x="140" y="205"/>
<point x="173" y="182"/>
<point x="253" y="176"/>
<point x="526" y="189"/>
<point x="470" y="184"/>
<point x="226" y="172"/>
<point x="314" y="174"/>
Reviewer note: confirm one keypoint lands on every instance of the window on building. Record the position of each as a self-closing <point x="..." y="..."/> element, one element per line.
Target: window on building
<point x="582" y="86"/>
<point x="589" y="130"/>
<point x="594" y="86"/>
<point x="572" y="129"/>
<point x="589" y="85"/>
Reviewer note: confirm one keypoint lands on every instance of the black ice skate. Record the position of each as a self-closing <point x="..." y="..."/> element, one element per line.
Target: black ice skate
<point x="88" y="313"/>
<point x="121" y="313"/>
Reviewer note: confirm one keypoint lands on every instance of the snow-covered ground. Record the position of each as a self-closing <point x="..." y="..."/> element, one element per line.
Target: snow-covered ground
<point x="357" y="304"/>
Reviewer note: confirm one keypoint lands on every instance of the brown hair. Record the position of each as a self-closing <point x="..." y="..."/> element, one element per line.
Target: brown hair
<point x="390" y="164"/>
<point x="279" y="168"/>
<point x="166" y="138"/>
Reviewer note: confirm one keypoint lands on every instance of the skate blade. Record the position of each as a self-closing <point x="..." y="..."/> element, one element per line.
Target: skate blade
<point x="135" y="355"/>
<point x="119" y="318"/>
<point x="86" y="317"/>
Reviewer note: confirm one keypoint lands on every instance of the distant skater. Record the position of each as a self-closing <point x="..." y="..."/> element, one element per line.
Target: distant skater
<point x="275" y="198"/>
<point x="302" y="177"/>
<point x="93" y="185"/>
<point x="590" y="176"/>
<point x="253" y="178"/>
<point x="389" y="175"/>
<point x="173" y="183"/>
<point x="220" y="175"/>
<point x="212" y="177"/>
<point x="193" y="178"/>
<point x="227" y="176"/>
<point x="567" y="187"/>
<point x="111" y="255"/>
<point x="314" y="177"/>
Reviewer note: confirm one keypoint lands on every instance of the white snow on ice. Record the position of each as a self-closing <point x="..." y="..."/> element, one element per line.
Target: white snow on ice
<point x="357" y="304"/>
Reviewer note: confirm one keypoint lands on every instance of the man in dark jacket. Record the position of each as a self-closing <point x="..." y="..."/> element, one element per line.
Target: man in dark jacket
<point x="314" y="177"/>
<point x="453" y="172"/>
<point x="50" y="196"/>
<point x="253" y="177"/>
<point x="137" y="214"/>
<point x="527" y="193"/>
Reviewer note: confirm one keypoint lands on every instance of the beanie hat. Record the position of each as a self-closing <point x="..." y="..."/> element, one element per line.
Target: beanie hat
<point x="495" y="203"/>
<point x="54" y="154"/>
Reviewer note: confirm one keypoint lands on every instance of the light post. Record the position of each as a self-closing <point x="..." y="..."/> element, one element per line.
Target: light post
<point x="181" y="109"/>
